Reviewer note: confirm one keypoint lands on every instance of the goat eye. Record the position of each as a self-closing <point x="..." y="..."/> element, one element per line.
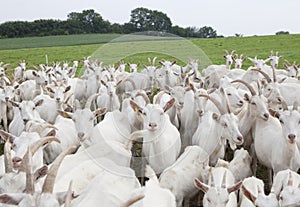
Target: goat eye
<point x="208" y="200"/>
<point x="253" y="103"/>
<point x="225" y="125"/>
<point x="269" y="89"/>
<point x="281" y="121"/>
<point x="144" y="113"/>
<point x="228" y="94"/>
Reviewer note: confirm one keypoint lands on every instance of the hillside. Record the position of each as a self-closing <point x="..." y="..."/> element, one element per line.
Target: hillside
<point x="75" y="47"/>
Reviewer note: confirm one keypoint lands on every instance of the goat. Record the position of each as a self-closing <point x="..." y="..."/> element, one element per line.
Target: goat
<point x="240" y="165"/>
<point x="179" y="177"/>
<point x="220" y="189"/>
<point x="218" y="128"/>
<point x="161" y="139"/>
<point x="281" y="131"/>
<point x="46" y="198"/>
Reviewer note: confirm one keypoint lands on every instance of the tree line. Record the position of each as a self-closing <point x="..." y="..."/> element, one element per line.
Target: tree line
<point x="89" y="21"/>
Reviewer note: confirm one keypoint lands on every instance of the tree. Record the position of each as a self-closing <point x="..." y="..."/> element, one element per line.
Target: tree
<point x="144" y="19"/>
<point x="207" y="32"/>
<point x="282" y="32"/>
<point x="89" y="21"/>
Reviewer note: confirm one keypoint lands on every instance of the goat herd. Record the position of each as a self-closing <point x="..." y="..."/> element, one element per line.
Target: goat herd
<point x="73" y="141"/>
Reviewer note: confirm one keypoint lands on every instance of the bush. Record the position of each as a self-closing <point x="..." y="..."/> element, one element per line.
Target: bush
<point x="282" y="32"/>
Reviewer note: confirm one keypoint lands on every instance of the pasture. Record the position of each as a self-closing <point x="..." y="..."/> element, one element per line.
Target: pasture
<point x="75" y="47"/>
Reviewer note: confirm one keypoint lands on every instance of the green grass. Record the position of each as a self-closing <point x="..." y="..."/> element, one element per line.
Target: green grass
<point x="75" y="47"/>
<point x="54" y="41"/>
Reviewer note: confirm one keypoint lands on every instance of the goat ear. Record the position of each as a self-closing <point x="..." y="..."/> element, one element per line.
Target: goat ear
<point x="65" y="114"/>
<point x="51" y="133"/>
<point x="41" y="172"/>
<point x="61" y="197"/>
<point x="215" y="116"/>
<point x="235" y="187"/>
<point x="224" y="56"/>
<point x="285" y="66"/>
<point x="248" y="195"/>
<point x="274" y="113"/>
<point x="99" y="112"/>
<point x="201" y="186"/>
<point x="7" y="136"/>
<point x="169" y="104"/>
<point x="174" y="62"/>
<point x="67" y="89"/>
<point x="247" y="97"/>
<point x="39" y="102"/>
<point x="12" y="199"/>
<point x="135" y="107"/>
<point x="34" y="73"/>
<point x="15" y="104"/>
<point x="49" y="89"/>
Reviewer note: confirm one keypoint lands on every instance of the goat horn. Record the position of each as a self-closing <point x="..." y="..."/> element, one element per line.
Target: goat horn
<point x="132" y="82"/>
<point x="267" y="77"/>
<point x="50" y="179"/>
<point x="224" y="180"/>
<point x="290" y="181"/>
<point x="133" y="200"/>
<point x="159" y="96"/>
<point x="29" y="173"/>
<point x="35" y="146"/>
<point x="69" y="195"/>
<point x="149" y="61"/>
<point x="233" y="51"/>
<point x="274" y="74"/>
<point x="153" y="61"/>
<point x="250" y="88"/>
<point x="284" y="105"/>
<point x="259" y="88"/>
<point x="288" y="62"/>
<point x="258" y="189"/>
<point x="7" y="157"/>
<point x="42" y="128"/>
<point x="295" y="106"/>
<point x="216" y="102"/>
<point x="90" y="100"/>
<point x="212" y="179"/>
<point x="226" y="52"/>
<point x="146" y="98"/>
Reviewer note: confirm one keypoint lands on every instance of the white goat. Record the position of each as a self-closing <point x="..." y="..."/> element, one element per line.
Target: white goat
<point x="218" y="128"/>
<point x="111" y="187"/>
<point x="220" y="189"/>
<point x="155" y="195"/>
<point x="179" y="177"/>
<point x="161" y="139"/>
<point x="281" y="131"/>
<point x="252" y="194"/>
<point x="240" y="165"/>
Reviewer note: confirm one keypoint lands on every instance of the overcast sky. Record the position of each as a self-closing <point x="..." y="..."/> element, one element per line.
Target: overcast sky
<point x="248" y="17"/>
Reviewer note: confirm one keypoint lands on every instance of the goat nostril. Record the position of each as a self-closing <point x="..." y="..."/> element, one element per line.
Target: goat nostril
<point x="240" y="138"/>
<point x="292" y="137"/>
<point x="152" y="125"/>
<point x="266" y="115"/>
<point x="16" y="160"/>
<point x="80" y="135"/>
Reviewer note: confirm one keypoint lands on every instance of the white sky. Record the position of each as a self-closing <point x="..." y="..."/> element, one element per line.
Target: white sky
<point x="248" y="17"/>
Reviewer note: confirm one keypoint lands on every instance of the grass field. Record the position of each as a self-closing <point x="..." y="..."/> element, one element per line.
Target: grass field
<point x="75" y="47"/>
